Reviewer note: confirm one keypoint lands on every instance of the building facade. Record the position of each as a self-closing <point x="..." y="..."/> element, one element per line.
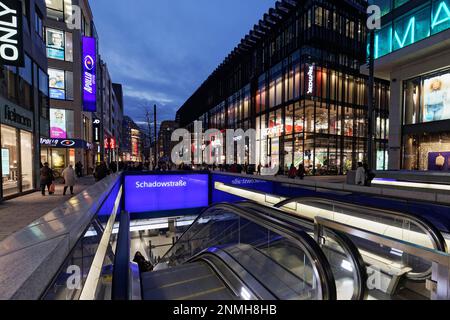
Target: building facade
<point x="165" y="142"/>
<point x="132" y="142"/>
<point x="296" y="79"/>
<point x="24" y="104"/>
<point x="71" y="122"/>
<point x="412" y="51"/>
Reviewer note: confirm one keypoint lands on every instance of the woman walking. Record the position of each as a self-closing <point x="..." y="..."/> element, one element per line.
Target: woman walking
<point x="69" y="179"/>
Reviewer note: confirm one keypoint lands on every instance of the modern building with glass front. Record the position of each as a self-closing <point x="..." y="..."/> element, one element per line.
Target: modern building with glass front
<point x="412" y="51"/>
<point x="296" y="79"/>
<point x="24" y="104"/>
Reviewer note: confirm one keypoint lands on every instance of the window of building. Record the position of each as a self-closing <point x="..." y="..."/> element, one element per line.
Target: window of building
<point x="62" y="124"/>
<point x="59" y="44"/>
<point x="44" y="102"/>
<point x="26" y="152"/>
<point x="427" y="98"/>
<point x="39" y="25"/>
<point x="10" y="161"/>
<point x="60" y="84"/>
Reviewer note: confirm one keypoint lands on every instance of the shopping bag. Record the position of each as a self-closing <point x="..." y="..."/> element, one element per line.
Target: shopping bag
<point x="52" y="188"/>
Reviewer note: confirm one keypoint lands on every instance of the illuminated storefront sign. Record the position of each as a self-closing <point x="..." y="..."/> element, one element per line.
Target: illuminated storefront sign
<point x="96" y="126"/>
<point x="58" y="128"/>
<point x="413" y="28"/>
<point x="11" y="37"/>
<point x="89" y="75"/>
<point x="310" y="80"/>
<point x="65" y="143"/>
<point x="147" y="193"/>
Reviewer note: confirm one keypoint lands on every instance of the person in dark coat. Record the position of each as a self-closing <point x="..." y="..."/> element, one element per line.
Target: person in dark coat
<point x="301" y="172"/>
<point x="144" y="265"/>
<point x="101" y="171"/>
<point x="46" y="177"/>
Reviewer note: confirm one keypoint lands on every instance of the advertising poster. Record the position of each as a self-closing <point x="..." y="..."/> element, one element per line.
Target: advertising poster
<point x="149" y="193"/>
<point x="58" y="128"/>
<point x="439" y="161"/>
<point x="436" y="94"/>
<point x="55" y="44"/>
<point x="57" y="84"/>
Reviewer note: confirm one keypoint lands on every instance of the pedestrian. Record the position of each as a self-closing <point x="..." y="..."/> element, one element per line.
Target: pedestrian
<point x="46" y="177"/>
<point x="101" y="171"/>
<point x="369" y="175"/>
<point x="301" y="172"/>
<point x="360" y="179"/>
<point x="69" y="179"/>
<point x="79" y="169"/>
<point x="292" y="172"/>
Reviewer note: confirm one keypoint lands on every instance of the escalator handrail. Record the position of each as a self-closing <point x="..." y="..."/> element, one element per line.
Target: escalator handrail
<point x="319" y="261"/>
<point x="434" y="234"/>
<point x="121" y="272"/>
<point x="344" y="241"/>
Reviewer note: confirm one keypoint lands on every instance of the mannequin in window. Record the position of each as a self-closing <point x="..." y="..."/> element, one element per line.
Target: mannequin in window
<point x="440" y="161"/>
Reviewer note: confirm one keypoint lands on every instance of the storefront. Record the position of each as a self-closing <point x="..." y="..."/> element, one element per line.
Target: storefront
<point x="16" y="140"/>
<point x="426" y="130"/>
<point x="59" y="153"/>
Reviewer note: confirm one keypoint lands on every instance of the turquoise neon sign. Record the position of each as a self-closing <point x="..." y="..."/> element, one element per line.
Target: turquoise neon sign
<point x="390" y="39"/>
<point x="442" y="7"/>
<point x="409" y="31"/>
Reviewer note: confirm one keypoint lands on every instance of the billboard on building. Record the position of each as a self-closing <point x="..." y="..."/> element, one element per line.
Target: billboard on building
<point x="436" y="98"/>
<point x="11" y="36"/>
<point x="89" y="74"/>
<point x="58" y="128"/>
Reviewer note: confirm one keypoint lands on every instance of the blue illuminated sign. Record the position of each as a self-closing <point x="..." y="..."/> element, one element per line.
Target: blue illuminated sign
<point x="149" y="193"/>
<point x="412" y="28"/>
<point x="89" y="75"/>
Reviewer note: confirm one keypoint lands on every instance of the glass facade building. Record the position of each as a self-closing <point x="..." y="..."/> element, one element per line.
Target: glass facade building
<point x="412" y="51"/>
<point x="295" y="79"/>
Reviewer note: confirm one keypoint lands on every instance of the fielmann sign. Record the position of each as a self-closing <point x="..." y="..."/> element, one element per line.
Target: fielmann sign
<point x="11" y="36"/>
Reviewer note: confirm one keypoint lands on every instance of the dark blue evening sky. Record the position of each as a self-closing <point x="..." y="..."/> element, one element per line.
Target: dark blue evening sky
<point x="162" y="50"/>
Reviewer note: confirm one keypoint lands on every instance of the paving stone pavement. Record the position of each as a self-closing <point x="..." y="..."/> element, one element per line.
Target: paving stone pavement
<point x="18" y="213"/>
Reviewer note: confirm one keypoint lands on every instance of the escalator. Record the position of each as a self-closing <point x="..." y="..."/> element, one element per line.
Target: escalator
<point x="232" y="253"/>
<point x="401" y="276"/>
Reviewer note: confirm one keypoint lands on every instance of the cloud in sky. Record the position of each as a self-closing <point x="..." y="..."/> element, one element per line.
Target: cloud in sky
<point x="161" y="50"/>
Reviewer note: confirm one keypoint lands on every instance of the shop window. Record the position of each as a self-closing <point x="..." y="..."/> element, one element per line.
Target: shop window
<point x="398" y="3"/>
<point x="436" y="98"/>
<point x="26" y="152"/>
<point x="55" y="9"/>
<point x="10" y="161"/>
<point x="412" y="101"/>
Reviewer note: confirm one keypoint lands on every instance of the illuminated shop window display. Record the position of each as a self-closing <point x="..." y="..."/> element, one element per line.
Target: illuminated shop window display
<point x="427" y="98"/>
<point x="427" y="152"/>
<point x="422" y="23"/>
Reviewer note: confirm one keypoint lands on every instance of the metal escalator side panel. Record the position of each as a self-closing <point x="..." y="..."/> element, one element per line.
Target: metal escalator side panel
<point x="360" y="274"/>
<point x="435" y="236"/>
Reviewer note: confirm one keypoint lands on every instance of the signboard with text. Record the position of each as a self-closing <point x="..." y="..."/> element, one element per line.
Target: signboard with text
<point x="89" y="75"/>
<point x="149" y="193"/>
<point x="11" y="36"/>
